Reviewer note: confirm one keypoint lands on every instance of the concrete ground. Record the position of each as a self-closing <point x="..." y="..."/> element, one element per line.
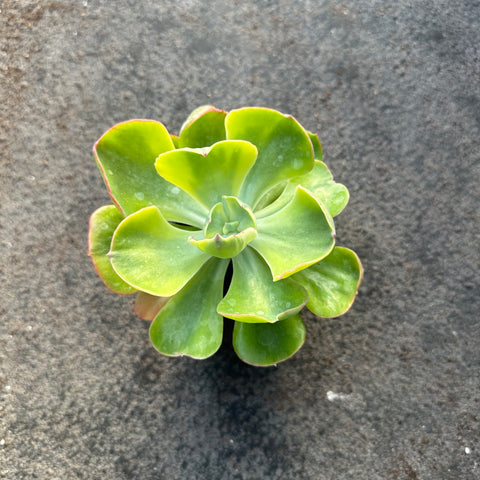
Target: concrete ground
<point x="390" y="390"/>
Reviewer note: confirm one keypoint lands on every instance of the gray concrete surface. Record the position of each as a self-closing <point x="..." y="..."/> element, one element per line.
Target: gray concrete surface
<point x="391" y="390"/>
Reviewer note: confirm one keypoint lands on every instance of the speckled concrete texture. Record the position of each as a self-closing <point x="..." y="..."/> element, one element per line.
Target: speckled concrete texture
<point x="390" y="390"/>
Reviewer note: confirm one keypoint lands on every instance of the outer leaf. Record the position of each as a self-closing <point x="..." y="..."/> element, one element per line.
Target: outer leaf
<point x="126" y="157"/>
<point x="284" y="148"/>
<point x="317" y="146"/>
<point x="147" y="306"/>
<point x="103" y="223"/>
<point x="253" y="297"/>
<point x="332" y="284"/>
<point x="266" y="344"/>
<point x="319" y="181"/>
<point x="296" y="236"/>
<point x="208" y="175"/>
<point x="204" y="127"/>
<point x="189" y="323"/>
<point x="152" y="255"/>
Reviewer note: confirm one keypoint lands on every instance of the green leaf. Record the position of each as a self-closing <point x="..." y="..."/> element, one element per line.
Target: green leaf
<point x="204" y="127"/>
<point x="332" y="284"/>
<point x="317" y="146"/>
<point x="269" y="198"/>
<point x="296" y="236"/>
<point x="189" y="323"/>
<point x="147" y="306"/>
<point x="319" y="181"/>
<point x="207" y="175"/>
<point x="266" y="344"/>
<point x="254" y="297"/>
<point x="103" y="223"/>
<point x="284" y="148"/>
<point x="126" y="157"/>
<point x="152" y="255"/>
<point x="230" y="228"/>
<point x="229" y="216"/>
<point x="225" y="247"/>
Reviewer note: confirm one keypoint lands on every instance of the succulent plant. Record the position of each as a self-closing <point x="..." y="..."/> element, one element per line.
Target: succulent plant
<point x="247" y="188"/>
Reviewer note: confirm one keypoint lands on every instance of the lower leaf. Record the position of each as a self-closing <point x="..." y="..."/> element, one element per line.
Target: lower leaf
<point x="189" y="323"/>
<point x="147" y="306"/>
<point x="266" y="344"/>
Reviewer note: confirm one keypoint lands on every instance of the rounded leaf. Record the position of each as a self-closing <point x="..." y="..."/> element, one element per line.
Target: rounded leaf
<point x="296" y="236"/>
<point x="254" y="297"/>
<point x="152" y="255"/>
<point x="207" y="175"/>
<point x="204" y="127"/>
<point x="284" y="148"/>
<point x="189" y="323"/>
<point x="332" y="284"/>
<point x="266" y="344"/>
<point x="126" y="157"/>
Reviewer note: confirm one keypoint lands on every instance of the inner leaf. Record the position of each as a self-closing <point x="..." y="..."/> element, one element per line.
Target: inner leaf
<point x="229" y="216"/>
<point x="207" y="174"/>
<point x="230" y="228"/>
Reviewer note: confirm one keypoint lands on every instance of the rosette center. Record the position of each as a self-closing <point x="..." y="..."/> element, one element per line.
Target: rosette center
<point x="231" y="226"/>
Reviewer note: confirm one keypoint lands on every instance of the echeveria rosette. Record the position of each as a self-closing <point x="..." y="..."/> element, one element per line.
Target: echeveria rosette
<point x="247" y="187"/>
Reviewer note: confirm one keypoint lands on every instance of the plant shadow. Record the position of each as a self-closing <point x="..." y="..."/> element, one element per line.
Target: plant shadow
<point x="222" y="409"/>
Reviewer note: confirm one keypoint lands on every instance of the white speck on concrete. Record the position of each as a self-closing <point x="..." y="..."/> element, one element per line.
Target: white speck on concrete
<point x="467" y="451"/>
<point x="349" y="399"/>
<point x="2" y="442"/>
<point x="332" y="396"/>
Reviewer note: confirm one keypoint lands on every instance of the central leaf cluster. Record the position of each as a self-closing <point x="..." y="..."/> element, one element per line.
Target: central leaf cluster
<point x="231" y="226"/>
